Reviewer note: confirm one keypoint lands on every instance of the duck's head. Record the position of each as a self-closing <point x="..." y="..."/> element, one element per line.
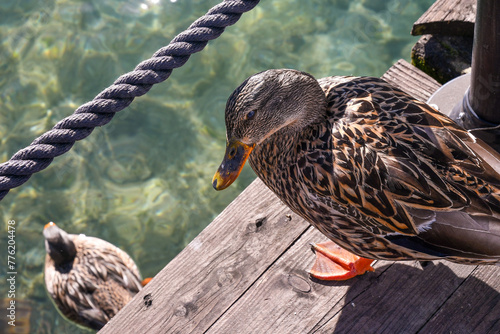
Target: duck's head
<point x="262" y="105"/>
<point x="58" y="244"/>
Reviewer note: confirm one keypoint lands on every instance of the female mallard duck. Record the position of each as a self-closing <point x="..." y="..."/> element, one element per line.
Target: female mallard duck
<point x="88" y="279"/>
<point x="381" y="174"/>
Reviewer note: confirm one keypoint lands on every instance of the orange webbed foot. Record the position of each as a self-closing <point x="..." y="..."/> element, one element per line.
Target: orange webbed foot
<point x="146" y="281"/>
<point x="334" y="263"/>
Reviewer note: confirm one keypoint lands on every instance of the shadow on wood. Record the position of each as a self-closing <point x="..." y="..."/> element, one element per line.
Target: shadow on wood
<point x="407" y="299"/>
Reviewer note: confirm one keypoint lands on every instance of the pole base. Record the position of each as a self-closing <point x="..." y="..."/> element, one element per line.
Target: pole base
<point x="452" y="99"/>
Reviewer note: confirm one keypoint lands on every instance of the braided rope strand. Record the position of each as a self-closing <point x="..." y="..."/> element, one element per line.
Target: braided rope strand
<point x="98" y="112"/>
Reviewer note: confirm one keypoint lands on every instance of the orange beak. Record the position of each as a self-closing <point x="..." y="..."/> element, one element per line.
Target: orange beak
<point x="49" y="225"/>
<point x="236" y="155"/>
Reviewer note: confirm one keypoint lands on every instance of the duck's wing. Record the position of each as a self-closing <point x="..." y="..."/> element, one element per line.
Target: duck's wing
<point x="115" y="279"/>
<point x="454" y="233"/>
<point x="394" y="157"/>
<point x="111" y="263"/>
<point x="72" y="294"/>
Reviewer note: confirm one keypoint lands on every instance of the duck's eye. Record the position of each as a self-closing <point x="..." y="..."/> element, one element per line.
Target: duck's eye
<point x="250" y="115"/>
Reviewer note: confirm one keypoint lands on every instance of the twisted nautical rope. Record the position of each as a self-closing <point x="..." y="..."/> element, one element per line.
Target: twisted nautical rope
<point x="40" y="153"/>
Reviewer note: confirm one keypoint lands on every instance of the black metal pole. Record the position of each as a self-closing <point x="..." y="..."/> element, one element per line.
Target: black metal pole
<point x="484" y="93"/>
<point x="480" y="107"/>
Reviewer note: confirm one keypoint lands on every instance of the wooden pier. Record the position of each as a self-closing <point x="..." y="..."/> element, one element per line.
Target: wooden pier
<point x="246" y="273"/>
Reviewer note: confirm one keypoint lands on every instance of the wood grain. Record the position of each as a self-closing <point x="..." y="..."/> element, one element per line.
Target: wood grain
<point x="447" y="17"/>
<point x="401" y="301"/>
<point x="285" y="299"/>
<point x="215" y="269"/>
<point x="415" y="82"/>
<point x="473" y="308"/>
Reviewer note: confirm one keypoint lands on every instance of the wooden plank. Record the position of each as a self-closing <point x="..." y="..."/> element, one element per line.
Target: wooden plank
<point x="287" y="300"/>
<point x="413" y="81"/>
<point x="215" y="269"/>
<point x="447" y="17"/>
<point x="402" y="300"/>
<point x="473" y="308"/>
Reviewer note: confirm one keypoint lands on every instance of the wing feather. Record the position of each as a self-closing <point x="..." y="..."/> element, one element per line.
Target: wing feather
<point x="392" y="153"/>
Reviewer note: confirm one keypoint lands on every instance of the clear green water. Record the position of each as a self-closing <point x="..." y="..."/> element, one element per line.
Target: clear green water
<point x="143" y="182"/>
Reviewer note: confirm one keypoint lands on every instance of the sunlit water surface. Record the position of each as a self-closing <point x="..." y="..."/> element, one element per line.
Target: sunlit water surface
<point x="143" y="182"/>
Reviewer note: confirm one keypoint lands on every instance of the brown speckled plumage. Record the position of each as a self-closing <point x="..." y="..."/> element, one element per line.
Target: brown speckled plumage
<point x="378" y="172"/>
<point x="92" y="281"/>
